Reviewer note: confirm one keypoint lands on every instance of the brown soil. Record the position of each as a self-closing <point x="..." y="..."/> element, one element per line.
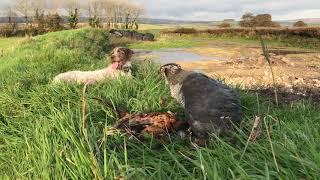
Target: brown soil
<point x="296" y="73"/>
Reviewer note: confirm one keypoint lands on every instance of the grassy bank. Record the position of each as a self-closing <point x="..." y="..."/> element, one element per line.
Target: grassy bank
<point x="41" y="136"/>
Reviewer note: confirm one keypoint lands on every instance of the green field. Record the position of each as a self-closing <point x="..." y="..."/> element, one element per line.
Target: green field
<point x="40" y="123"/>
<point x="187" y="41"/>
<point x="7" y="45"/>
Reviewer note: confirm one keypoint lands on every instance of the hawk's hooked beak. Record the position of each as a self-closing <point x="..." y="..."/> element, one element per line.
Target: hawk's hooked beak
<point x="163" y="71"/>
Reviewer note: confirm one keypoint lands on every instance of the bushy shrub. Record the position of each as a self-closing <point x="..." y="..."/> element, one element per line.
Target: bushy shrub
<point x="95" y="42"/>
<point x="39" y="21"/>
<point x="260" y="20"/>
<point x="73" y="19"/>
<point x="8" y="30"/>
<point x="41" y="25"/>
<point x="180" y="31"/>
<point x="11" y="29"/>
<point x="308" y="32"/>
<point x="95" y="21"/>
<point x="224" y="25"/>
<point x="300" y="24"/>
<point x="53" y="22"/>
<point x="136" y="26"/>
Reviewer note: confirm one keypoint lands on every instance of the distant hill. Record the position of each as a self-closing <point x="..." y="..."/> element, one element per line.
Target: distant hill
<point x="306" y="20"/>
<point x="310" y="20"/>
<point x="169" y="21"/>
<point x="14" y="19"/>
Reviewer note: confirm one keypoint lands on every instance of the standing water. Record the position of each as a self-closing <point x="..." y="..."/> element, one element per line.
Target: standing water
<point x="172" y="56"/>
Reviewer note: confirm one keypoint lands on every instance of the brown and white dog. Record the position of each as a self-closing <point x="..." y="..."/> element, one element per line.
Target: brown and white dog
<point x="120" y="58"/>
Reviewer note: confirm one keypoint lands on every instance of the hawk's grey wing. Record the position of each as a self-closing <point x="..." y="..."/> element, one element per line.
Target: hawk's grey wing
<point x="209" y="101"/>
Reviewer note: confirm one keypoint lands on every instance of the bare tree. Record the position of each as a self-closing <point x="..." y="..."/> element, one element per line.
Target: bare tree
<point x="38" y="4"/>
<point x="71" y="4"/>
<point x="121" y="13"/>
<point x="134" y="13"/>
<point x="24" y="7"/>
<point x="72" y="7"/>
<point x="95" y="12"/>
<point x="10" y="13"/>
<point x="39" y="7"/>
<point x="28" y="8"/>
<point x="116" y="13"/>
<point x="96" y="7"/>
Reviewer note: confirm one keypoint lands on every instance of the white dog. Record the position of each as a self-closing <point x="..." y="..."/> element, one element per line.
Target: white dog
<point x="120" y="66"/>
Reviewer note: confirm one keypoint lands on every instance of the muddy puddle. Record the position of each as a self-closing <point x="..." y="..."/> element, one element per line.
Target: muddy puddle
<point x="173" y="56"/>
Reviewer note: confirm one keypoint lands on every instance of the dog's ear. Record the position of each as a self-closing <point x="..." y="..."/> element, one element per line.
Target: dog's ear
<point x="114" y="50"/>
<point x="129" y="53"/>
<point x="113" y="54"/>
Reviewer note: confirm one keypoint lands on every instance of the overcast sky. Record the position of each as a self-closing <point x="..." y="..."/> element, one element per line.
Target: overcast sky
<point x="222" y="9"/>
<point x="225" y="9"/>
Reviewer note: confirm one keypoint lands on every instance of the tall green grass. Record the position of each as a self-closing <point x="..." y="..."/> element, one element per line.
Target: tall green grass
<point x="40" y="123"/>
